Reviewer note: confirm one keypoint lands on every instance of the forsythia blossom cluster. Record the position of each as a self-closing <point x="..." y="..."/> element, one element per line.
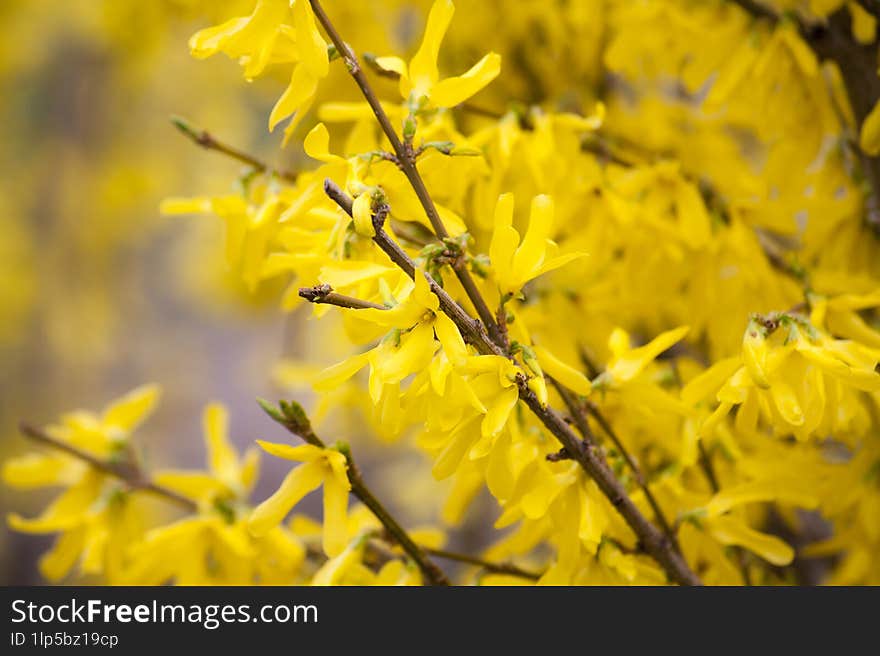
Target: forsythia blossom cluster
<point x="677" y="260"/>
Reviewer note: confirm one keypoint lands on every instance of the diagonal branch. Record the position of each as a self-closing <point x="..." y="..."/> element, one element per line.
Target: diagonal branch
<point x="576" y="408"/>
<point x="407" y="163"/>
<point x="292" y="417"/>
<point x="125" y="471"/>
<point x="207" y="141"/>
<point x="494" y="568"/>
<point x="655" y="543"/>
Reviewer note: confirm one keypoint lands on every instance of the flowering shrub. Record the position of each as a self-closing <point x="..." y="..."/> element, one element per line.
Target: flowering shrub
<point x="629" y="285"/>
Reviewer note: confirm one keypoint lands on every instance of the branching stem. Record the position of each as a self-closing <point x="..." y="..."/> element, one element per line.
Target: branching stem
<point x="407" y="163"/>
<point x="302" y="428"/>
<point x="655" y="543"/>
<point x="127" y="472"/>
<point x="207" y="141"/>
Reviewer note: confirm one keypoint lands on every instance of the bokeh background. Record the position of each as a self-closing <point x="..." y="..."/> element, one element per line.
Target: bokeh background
<point x="100" y="293"/>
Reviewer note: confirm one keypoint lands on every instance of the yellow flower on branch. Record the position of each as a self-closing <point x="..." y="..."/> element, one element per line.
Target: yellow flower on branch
<point x="274" y="33"/>
<point x="95" y="516"/>
<point x="326" y="467"/>
<point x="420" y="82"/>
<point x="516" y="262"/>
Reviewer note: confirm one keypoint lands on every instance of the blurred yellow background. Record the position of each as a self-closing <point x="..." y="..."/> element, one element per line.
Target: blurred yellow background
<point x="99" y="292"/>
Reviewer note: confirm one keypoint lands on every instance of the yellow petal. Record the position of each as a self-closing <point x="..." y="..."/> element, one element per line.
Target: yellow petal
<point x="755" y="352"/>
<point x="499" y="411"/>
<point x="335" y="375"/>
<point x="299" y="453"/>
<point x="733" y="531"/>
<point x="864" y="25"/>
<point x="194" y="485"/>
<point x="362" y="215"/>
<point x="539" y="386"/>
<point x="38" y="470"/>
<point x="455" y="90"/>
<point x="297" y="97"/>
<point x="787" y="403"/>
<point x="707" y="383"/>
<point x="558" y="262"/>
<point x="334" y="569"/>
<point x="335" y="536"/>
<point x="505" y="240"/>
<point x="423" y="66"/>
<point x="250" y="469"/>
<point x="530" y="254"/>
<point x="129" y="411"/>
<point x="450" y="457"/>
<point x="781" y="490"/>
<point x="298" y="483"/>
<point x="222" y="458"/>
<point x="317" y="144"/>
<point x="714" y="419"/>
<point x="422" y="292"/>
<point x="566" y="375"/>
<point x="414" y="354"/>
<point x="66" y="511"/>
<point x="450" y="339"/>
<point x="630" y="364"/>
<point x="393" y="65"/>
<point x="58" y="561"/>
<point x="312" y="48"/>
<point x="869" y="137"/>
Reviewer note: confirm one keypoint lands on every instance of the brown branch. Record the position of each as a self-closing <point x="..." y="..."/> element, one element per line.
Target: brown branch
<point x="471" y="330"/>
<point x="577" y="412"/>
<point x="324" y="294"/>
<point x="495" y="568"/>
<point x="656" y="544"/>
<point x="384" y="554"/>
<point x="127" y="472"/>
<point x="206" y="140"/>
<point x="294" y="419"/>
<point x="407" y="163"/>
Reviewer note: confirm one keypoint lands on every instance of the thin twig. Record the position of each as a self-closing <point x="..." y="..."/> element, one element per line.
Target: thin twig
<point x="206" y="140"/>
<point x="656" y="544"/>
<point x="471" y="330"/>
<point x="298" y="424"/>
<point x="384" y="554"/>
<point x="407" y="164"/>
<point x="125" y="471"/>
<point x="495" y="568"/>
<point x="324" y="294"/>
<point x="577" y="412"/>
